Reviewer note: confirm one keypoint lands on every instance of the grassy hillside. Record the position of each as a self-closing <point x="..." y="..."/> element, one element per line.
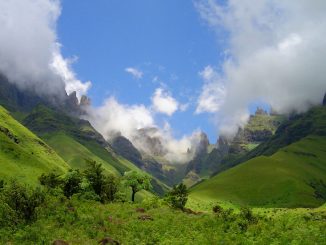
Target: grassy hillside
<point x="23" y="154"/>
<point x="295" y="176"/>
<point x="77" y="142"/>
<point x="74" y="153"/>
<point x="296" y="128"/>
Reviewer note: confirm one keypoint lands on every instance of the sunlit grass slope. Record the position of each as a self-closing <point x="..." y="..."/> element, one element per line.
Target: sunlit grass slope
<point x="292" y="177"/>
<point x="74" y="153"/>
<point x="22" y="154"/>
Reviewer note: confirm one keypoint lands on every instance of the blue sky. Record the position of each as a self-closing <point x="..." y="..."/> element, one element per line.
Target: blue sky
<point x="163" y="39"/>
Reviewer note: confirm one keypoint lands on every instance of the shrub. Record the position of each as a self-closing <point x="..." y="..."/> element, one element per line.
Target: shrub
<point x="72" y="183"/>
<point x="246" y="214"/>
<point x="105" y="186"/>
<point x="217" y="209"/>
<point x="178" y="196"/>
<point x="151" y="202"/>
<point x="22" y="200"/>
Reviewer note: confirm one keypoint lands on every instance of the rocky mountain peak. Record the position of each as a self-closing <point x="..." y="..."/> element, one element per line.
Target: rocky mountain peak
<point x="260" y="111"/>
<point x="149" y="140"/>
<point x="85" y="101"/>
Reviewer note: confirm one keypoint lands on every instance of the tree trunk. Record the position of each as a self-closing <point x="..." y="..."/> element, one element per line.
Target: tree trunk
<point x="133" y="196"/>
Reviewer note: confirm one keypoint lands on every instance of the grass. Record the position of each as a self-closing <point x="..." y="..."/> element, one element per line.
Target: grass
<point x="281" y="180"/>
<point x="74" y="153"/>
<point x="82" y="222"/>
<point x="29" y="156"/>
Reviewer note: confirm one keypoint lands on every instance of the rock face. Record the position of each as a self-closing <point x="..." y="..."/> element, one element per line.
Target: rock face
<point x="85" y="101"/>
<point x="15" y="99"/>
<point x="201" y="150"/>
<point x="150" y="141"/>
<point x="125" y="148"/>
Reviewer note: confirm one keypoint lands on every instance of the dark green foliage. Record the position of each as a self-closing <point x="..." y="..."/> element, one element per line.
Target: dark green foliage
<point x="217" y="209"/>
<point x="137" y="181"/>
<point x="2" y="183"/>
<point x="320" y="189"/>
<point x="105" y="186"/>
<point x="246" y="214"/>
<point x="20" y="201"/>
<point x="178" y="196"/>
<point x="51" y="180"/>
<point x="72" y="183"/>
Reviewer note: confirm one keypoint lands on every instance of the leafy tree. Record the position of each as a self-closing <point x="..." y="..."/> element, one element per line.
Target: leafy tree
<point x="178" y="196"/>
<point x="137" y="181"/>
<point x="72" y="183"/>
<point x="94" y="175"/>
<point x="51" y="180"/>
<point x="21" y="200"/>
<point x="105" y="186"/>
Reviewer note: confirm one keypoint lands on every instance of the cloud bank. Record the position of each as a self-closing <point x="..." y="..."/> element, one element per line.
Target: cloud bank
<point x="112" y="118"/>
<point x="277" y="52"/>
<point x="29" y="51"/>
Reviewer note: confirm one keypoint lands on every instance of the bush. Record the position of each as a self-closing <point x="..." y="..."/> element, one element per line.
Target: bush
<point x="217" y="209"/>
<point x="72" y="183"/>
<point x="104" y="186"/>
<point x="151" y="202"/>
<point x="178" y="196"/>
<point x="22" y="200"/>
<point x="246" y="214"/>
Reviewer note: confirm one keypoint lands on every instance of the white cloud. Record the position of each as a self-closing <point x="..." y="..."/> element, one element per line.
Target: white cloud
<point x="28" y="45"/>
<point x="277" y="53"/>
<point x="113" y="117"/>
<point x="164" y="103"/>
<point x="136" y="73"/>
<point x="213" y="92"/>
<point x="62" y="67"/>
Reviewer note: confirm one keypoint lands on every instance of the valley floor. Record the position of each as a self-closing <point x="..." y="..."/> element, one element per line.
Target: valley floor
<point x="89" y="222"/>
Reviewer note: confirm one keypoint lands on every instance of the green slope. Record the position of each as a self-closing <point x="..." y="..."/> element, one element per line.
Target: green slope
<point x="22" y="154"/>
<point x="292" y="177"/>
<point x="76" y="141"/>
<point x="74" y="153"/>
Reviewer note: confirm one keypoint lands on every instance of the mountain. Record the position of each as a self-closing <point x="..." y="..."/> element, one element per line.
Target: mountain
<point x="23" y="155"/>
<point x="288" y="170"/>
<point x="150" y="160"/>
<point x="78" y="142"/>
<point x="211" y="159"/>
<point x="60" y="127"/>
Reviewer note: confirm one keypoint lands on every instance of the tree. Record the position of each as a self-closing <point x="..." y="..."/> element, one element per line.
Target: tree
<point x="72" y="183"/>
<point x="178" y="196"/>
<point x="94" y="175"/>
<point x="105" y="186"/>
<point x="137" y="181"/>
